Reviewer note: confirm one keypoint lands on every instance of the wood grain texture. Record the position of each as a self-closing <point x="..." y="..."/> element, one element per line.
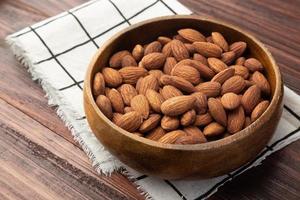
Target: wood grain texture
<point x="274" y="22"/>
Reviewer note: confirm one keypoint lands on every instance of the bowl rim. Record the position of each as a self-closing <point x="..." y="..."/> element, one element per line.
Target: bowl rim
<point x="278" y="92"/>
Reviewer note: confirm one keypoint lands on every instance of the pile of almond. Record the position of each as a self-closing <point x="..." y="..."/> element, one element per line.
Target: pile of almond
<point x="186" y="90"/>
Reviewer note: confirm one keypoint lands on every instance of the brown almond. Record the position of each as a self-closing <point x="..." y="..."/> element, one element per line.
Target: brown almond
<point x="259" y="110"/>
<point x="169" y="123"/>
<point x="116" y="117"/>
<point x="164" y="40"/>
<point x="128" y="109"/>
<point x="178" y="82"/>
<point x="140" y="104"/>
<point x="253" y="65"/>
<point x="98" y="84"/>
<point x="153" y="47"/>
<point x="249" y="83"/>
<point x="180" y="38"/>
<point x="169" y="65"/>
<point x="167" y="50"/>
<point x="138" y="83"/>
<point x="196" y="133"/>
<point x="236" y="120"/>
<point x="188" y="118"/>
<point x="186" y="139"/>
<point x="187" y="72"/>
<point x="138" y="52"/>
<point x="156" y="133"/>
<point x="116" y="100"/>
<point x="238" y="48"/>
<point x="200" y="103"/>
<point x="240" y="61"/>
<point x="213" y="129"/>
<point x="132" y="74"/>
<point x="217" y="111"/>
<point x="219" y="40"/>
<point x="150" y="123"/>
<point x="216" y="64"/>
<point x="251" y="98"/>
<point x="128" y="60"/>
<point x="191" y="35"/>
<point x="224" y="75"/>
<point x="208" y="49"/>
<point x="190" y="48"/>
<point x="200" y="58"/>
<point x="153" y="60"/>
<point x="247" y="122"/>
<point x="210" y="89"/>
<point x="111" y="77"/>
<point x="209" y="39"/>
<point x="230" y="101"/>
<point x="179" y="51"/>
<point x="169" y="91"/>
<point x="203" y="119"/>
<point x="115" y="60"/>
<point x="177" y="105"/>
<point x="260" y="80"/>
<point x="130" y="121"/>
<point x="157" y="73"/>
<point x="171" y="137"/>
<point x="155" y="100"/>
<point x="127" y="92"/>
<point x="228" y="57"/>
<point x="235" y="84"/>
<point x="104" y="105"/>
<point x="240" y="70"/>
<point x="148" y="82"/>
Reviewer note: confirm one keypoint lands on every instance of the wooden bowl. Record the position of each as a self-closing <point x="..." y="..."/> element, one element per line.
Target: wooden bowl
<point x="183" y="161"/>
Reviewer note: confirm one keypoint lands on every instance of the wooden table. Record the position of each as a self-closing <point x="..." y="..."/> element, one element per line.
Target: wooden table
<point x="40" y="160"/>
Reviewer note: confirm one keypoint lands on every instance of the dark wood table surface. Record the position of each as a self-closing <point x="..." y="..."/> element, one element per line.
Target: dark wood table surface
<point x="38" y="156"/>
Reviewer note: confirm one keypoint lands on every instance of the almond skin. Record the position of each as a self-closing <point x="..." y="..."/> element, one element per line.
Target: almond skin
<point x="180" y="38"/>
<point x="171" y="137"/>
<point x="157" y="73"/>
<point x="132" y="74"/>
<point x="253" y="65"/>
<point x="200" y="103"/>
<point x="200" y="58"/>
<point x="260" y="80"/>
<point x="153" y="60"/>
<point x="128" y="109"/>
<point x="217" y="111"/>
<point x="187" y="139"/>
<point x="228" y="57"/>
<point x="213" y="129"/>
<point x="238" y="48"/>
<point x="208" y="49"/>
<point x="188" y="118"/>
<point x="196" y="133"/>
<point x="138" y="52"/>
<point x="210" y="89"/>
<point x="98" y="84"/>
<point x="140" y="104"/>
<point x="259" y="110"/>
<point x="167" y="50"/>
<point x="155" y="100"/>
<point x="177" y="82"/>
<point x="236" y="120"/>
<point x="169" y="65"/>
<point x="156" y="133"/>
<point x="216" y="64"/>
<point x="177" y="105"/>
<point x="169" y="91"/>
<point x="115" y="60"/>
<point x="164" y="40"/>
<point x="235" y="84"/>
<point x="127" y="92"/>
<point x="128" y="60"/>
<point x="191" y="35"/>
<point x="240" y="61"/>
<point x="151" y="123"/>
<point x="116" y="117"/>
<point x="224" y="75"/>
<point x="240" y="70"/>
<point x="169" y="123"/>
<point x="187" y="72"/>
<point x="251" y="98"/>
<point x="116" y="100"/>
<point x="153" y="47"/>
<point x="104" y="105"/>
<point x="111" y="77"/>
<point x="230" y="101"/>
<point x="190" y="48"/>
<point x="219" y="40"/>
<point x="130" y="121"/>
<point x="203" y="119"/>
<point x="179" y="50"/>
<point x="148" y="82"/>
<point x="247" y="122"/>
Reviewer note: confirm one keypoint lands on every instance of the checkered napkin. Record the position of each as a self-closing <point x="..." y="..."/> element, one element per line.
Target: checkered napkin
<point x="57" y="52"/>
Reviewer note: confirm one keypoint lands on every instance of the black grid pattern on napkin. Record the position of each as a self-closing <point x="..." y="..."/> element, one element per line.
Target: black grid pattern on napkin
<point x="77" y="83"/>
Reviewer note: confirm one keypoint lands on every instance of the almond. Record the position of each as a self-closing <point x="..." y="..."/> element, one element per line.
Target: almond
<point x="240" y="70"/>
<point x="187" y="139"/>
<point x="153" y="60"/>
<point x="238" y="48"/>
<point x="240" y="61"/>
<point x="259" y="110"/>
<point x="167" y="50"/>
<point x="155" y="100"/>
<point x="169" y="91"/>
<point x="115" y="60"/>
<point x="98" y="84"/>
<point x="132" y="74"/>
<point x="208" y="49"/>
<point x="169" y="123"/>
<point x="130" y="121"/>
<point x="187" y="72"/>
<point x="150" y="123"/>
<point x="209" y="39"/>
<point x="210" y="89"/>
<point x="128" y="60"/>
<point x="253" y="65"/>
<point x="156" y="133"/>
<point x="140" y="104"/>
<point x="213" y="129"/>
<point x="180" y="38"/>
<point x="157" y="73"/>
<point x="148" y="82"/>
<point x="171" y="137"/>
<point x="164" y="40"/>
<point x="128" y="109"/>
<point x="127" y="92"/>
<point x="104" y="105"/>
<point x="138" y="52"/>
<point x="179" y="51"/>
<point x="116" y="100"/>
<point x="200" y="58"/>
<point x="177" y="82"/>
<point x="260" y="80"/>
<point x="138" y="83"/>
<point x="236" y="120"/>
<point x="200" y="103"/>
<point x="116" y="117"/>
<point x="234" y="84"/>
<point x="190" y="48"/>
<point x="219" y="40"/>
<point x="191" y="35"/>
<point x="228" y="57"/>
<point x="188" y="118"/>
<point x="169" y="65"/>
<point x="111" y="77"/>
<point x="203" y="119"/>
<point x="196" y="133"/>
<point x="217" y="111"/>
<point x="177" y="105"/>
<point x="224" y="75"/>
<point x="216" y="64"/>
<point x="230" y="101"/>
<point x="153" y="47"/>
<point x="251" y="98"/>
<point x="247" y="122"/>
<point x="249" y="83"/>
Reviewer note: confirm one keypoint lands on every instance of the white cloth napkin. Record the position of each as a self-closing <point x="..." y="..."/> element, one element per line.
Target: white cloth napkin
<point x="57" y="52"/>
